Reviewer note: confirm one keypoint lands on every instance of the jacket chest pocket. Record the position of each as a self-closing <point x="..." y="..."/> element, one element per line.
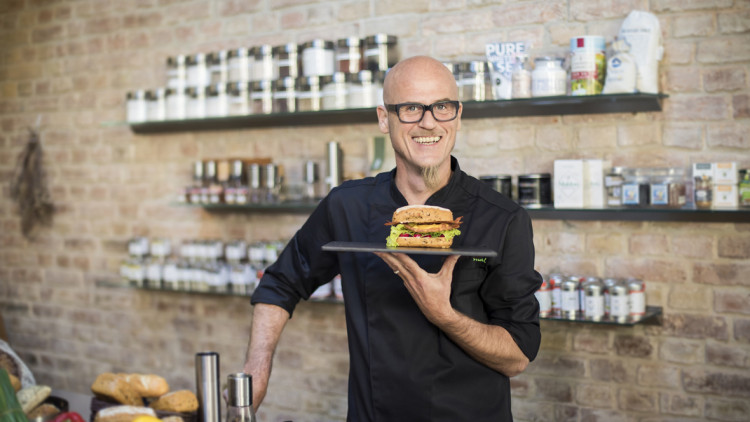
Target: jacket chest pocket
<point x="468" y="276"/>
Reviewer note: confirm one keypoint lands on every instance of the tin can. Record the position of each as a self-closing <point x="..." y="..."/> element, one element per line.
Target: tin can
<point x="588" y="65"/>
<point x="580" y="281"/>
<point x="619" y="305"/>
<point x="594" y="299"/>
<point x="569" y="298"/>
<point x="608" y="283"/>
<point x="535" y="190"/>
<point x="636" y="298"/>
<point x="544" y="297"/>
<point x="555" y="284"/>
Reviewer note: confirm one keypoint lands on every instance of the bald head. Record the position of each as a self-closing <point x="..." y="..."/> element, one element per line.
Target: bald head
<point x="414" y="72"/>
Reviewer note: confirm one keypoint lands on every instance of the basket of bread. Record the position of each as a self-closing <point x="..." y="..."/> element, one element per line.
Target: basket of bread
<point x="127" y="397"/>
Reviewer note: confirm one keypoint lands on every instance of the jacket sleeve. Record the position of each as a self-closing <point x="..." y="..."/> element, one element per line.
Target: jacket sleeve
<point x="302" y="266"/>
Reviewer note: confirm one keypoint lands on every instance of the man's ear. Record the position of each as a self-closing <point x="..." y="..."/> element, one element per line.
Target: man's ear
<point x="382" y="119"/>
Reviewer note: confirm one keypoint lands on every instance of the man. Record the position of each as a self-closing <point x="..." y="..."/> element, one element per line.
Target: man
<point x="430" y="339"/>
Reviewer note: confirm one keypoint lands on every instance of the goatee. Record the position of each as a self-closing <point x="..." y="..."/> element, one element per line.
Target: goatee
<point x="431" y="177"/>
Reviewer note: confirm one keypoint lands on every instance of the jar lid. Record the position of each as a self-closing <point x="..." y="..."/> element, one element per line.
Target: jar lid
<point x="239" y="52"/>
<point x="138" y="94"/>
<point x="196" y="58"/>
<point x="308" y="81"/>
<point x="218" y="56"/>
<point x="318" y="43"/>
<point x="284" y="83"/>
<point x="548" y="59"/>
<point x="381" y="39"/>
<point x="534" y="176"/>
<point x="235" y="87"/>
<point x="261" y="85"/>
<point x="453" y="67"/>
<point x="495" y="177"/>
<point x="285" y="49"/>
<point x="617" y="170"/>
<point x="475" y="66"/>
<point x="180" y="59"/>
<point x="261" y="50"/>
<point x="349" y="42"/>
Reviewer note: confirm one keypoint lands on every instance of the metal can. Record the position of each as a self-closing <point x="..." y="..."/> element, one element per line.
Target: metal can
<point x="569" y="298"/>
<point x="608" y="283"/>
<point x="636" y="298"/>
<point x="544" y="297"/>
<point x="555" y="283"/>
<point x="594" y="299"/>
<point x="619" y="305"/>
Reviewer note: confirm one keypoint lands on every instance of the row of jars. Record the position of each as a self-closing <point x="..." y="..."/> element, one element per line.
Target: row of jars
<point x="201" y="265"/>
<point x="265" y="62"/>
<point x="591" y="298"/>
<point x="287" y="95"/>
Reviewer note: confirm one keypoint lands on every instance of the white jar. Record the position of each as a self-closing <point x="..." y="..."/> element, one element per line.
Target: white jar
<point x="261" y="97"/>
<point x="197" y="70"/>
<point x="318" y="58"/>
<point x="136" y="106"/>
<point x="265" y="67"/>
<point x="548" y="78"/>
<point x="217" y="102"/>
<point x="156" y="104"/>
<point x="239" y="66"/>
<point x="239" y="99"/>
<point x="219" y="67"/>
<point x="196" y="103"/>
<point x="176" y="99"/>
<point x="335" y="90"/>
<point x="177" y="72"/>
<point x="363" y="93"/>
<point x="287" y="60"/>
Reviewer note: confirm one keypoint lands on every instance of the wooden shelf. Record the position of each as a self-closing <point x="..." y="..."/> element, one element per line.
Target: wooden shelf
<point x="540" y="106"/>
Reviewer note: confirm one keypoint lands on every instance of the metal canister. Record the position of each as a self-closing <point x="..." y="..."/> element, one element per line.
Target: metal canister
<point x="569" y="298"/>
<point x="555" y="284"/>
<point x="501" y="183"/>
<point x="619" y="306"/>
<point x="636" y="298"/>
<point x="544" y="297"/>
<point x="608" y="284"/>
<point x="594" y="298"/>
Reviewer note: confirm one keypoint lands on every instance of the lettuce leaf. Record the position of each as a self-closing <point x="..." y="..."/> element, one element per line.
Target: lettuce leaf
<point x="399" y="229"/>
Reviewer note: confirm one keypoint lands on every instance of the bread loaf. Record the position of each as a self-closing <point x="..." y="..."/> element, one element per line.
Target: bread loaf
<point x="45" y="410"/>
<point x="181" y="401"/>
<point x="15" y="382"/>
<point x="123" y="413"/>
<point x="147" y="385"/>
<point x="109" y="386"/>
<point x="31" y="397"/>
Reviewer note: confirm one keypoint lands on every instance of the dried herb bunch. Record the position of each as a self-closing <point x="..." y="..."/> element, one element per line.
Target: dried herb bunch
<point x="29" y="187"/>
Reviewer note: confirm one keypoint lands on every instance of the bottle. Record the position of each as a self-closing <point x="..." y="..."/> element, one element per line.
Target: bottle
<point x="240" y="398"/>
<point x="207" y="386"/>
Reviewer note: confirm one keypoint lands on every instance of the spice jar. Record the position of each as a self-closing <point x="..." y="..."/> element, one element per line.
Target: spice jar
<point x="548" y="78"/>
<point x="176" y="103"/>
<point x="239" y="66"/>
<point x="659" y="188"/>
<point x="365" y="89"/>
<point x="177" y="72"/>
<point x="217" y="101"/>
<point x="287" y="60"/>
<point x="318" y="57"/>
<point x="239" y="98"/>
<point x="335" y="89"/>
<point x="535" y="190"/>
<point x="380" y="52"/>
<point x="349" y="55"/>
<point x="613" y="182"/>
<point x="676" y="189"/>
<point x="309" y="96"/>
<point x="521" y="79"/>
<point x="636" y="188"/>
<point x="285" y="95"/>
<point x="264" y="65"/>
<point x="197" y="70"/>
<point x="703" y="187"/>
<point x="261" y="97"/>
<point x="218" y="65"/>
<point x="156" y="104"/>
<point x="137" y="110"/>
<point x="196" y="103"/>
<point x="474" y="83"/>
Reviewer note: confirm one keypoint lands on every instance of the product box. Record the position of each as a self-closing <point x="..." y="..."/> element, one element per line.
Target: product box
<point x="593" y="184"/>
<point x="502" y="57"/>
<point x="725" y="173"/>
<point x="703" y="169"/>
<point x="725" y="196"/>
<point x="568" y="184"/>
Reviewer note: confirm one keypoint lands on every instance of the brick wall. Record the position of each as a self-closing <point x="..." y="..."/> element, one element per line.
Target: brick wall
<point x="71" y="62"/>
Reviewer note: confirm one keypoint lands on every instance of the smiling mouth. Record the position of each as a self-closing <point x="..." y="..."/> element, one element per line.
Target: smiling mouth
<point x="426" y="140"/>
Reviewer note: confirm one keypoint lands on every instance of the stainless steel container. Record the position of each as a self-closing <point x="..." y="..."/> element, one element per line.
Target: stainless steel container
<point x="334" y="176"/>
<point x="207" y="386"/>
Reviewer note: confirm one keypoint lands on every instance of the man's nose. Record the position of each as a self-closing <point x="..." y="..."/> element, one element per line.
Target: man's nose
<point x="428" y="120"/>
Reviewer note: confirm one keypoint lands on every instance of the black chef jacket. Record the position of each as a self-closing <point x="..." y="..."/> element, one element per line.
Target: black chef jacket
<point x="402" y="367"/>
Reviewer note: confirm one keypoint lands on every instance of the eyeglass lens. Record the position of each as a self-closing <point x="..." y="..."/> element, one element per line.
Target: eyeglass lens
<point x="442" y="111"/>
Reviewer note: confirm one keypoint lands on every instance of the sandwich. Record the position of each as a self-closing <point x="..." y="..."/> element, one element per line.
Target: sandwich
<point x="423" y="226"/>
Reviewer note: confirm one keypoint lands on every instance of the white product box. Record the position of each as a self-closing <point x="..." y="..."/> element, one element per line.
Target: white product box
<point x="593" y="184"/>
<point x="725" y="173"/>
<point x="703" y="169"/>
<point x="568" y="184"/>
<point x="725" y="196"/>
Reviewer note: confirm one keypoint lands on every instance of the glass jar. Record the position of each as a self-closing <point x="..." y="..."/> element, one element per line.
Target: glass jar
<point x="380" y="52"/>
<point x="287" y="60"/>
<point x="744" y="188"/>
<point x="676" y="188"/>
<point x="474" y="83"/>
<point x="137" y="110"/>
<point x="285" y="95"/>
<point x="366" y="90"/>
<point x="176" y="99"/>
<point x="218" y="63"/>
<point x="613" y="182"/>
<point x="349" y="55"/>
<point x="309" y="97"/>
<point x="217" y="100"/>
<point x="521" y="79"/>
<point x="703" y="190"/>
<point x="239" y="67"/>
<point x="548" y="78"/>
<point x="239" y="98"/>
<point x="196" y="103"/>
<point x="264" y="67"/>
<point x="636" y="188"/>
<point x="197" y="71"/>
<point x="659" y="187"/>
<point x="335" y="89"/>
<point x="156" y="104"/>
<point x="261" y="97"/>
<point x="318" y="58"/>
<point x="177" y="72"/>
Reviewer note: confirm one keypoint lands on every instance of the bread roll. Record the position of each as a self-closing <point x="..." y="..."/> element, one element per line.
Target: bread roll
<point x="422" y="214"/>
<point x="123" y="413"/>
<point x="147" y="385"/>
<point x="45" y="410"/>
<point x="109" y="386"/>
<point x="15" y="382"/>
<point x="419" y="242"/>
<point x="31" y="397"/>
<point x="181" y="401"/>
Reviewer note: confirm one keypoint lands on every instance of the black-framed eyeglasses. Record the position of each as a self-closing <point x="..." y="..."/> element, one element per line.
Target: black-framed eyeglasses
<point x="442" y="111"/>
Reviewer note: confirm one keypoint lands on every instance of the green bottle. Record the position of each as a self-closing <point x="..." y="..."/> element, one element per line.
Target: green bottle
<point x="10" y="409"/>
